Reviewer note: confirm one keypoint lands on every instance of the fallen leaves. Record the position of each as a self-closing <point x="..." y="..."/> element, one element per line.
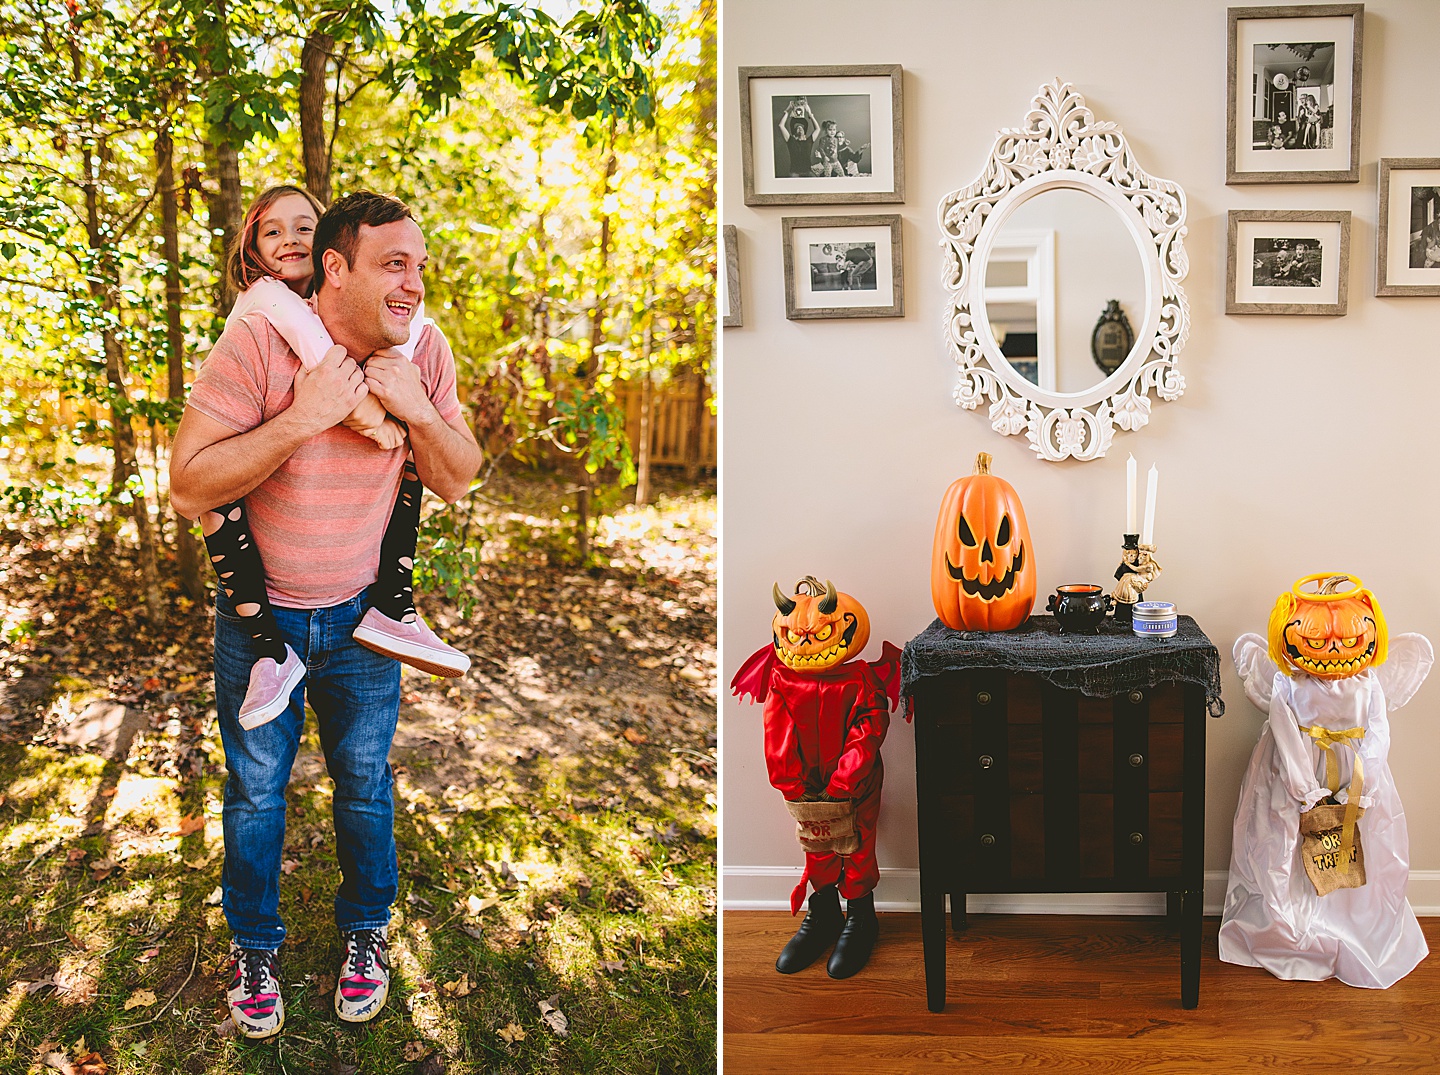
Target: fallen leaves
<point x="147" y="955"/>
<point x="415" y="1050"/>
<point x="191" y="824"/>
<point x="511" y="1033"/>
<point x="103" y="868"/>
<point x="288" y="867"/>
<point x="461" y="987"/>
<point x="553" y="1017"/>
<point x="141" y="998"/>
<point x="611" y="966"/>
<point x="213" y="900"/>
<point x="37" y="986"/>
<point x="474" y="904"/>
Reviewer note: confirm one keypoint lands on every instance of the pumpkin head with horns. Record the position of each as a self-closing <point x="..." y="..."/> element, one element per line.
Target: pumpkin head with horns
<point x="1332" y="632"/>
<point x="819" y="628"/>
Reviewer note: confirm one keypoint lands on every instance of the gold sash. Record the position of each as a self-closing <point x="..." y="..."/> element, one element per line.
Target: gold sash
<point x="1326" y="740"/>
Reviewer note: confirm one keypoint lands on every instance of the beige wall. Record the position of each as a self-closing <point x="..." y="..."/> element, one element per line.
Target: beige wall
<point x="1301" y="444"/>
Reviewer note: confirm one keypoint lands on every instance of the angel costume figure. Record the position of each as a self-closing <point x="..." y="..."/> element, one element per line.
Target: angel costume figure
<point x="826" y="714"/>
<point x="1320" y="678"/>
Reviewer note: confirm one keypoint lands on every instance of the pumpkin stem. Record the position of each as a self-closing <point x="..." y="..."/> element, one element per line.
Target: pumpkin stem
<point x="810" y="586"/>
<point x="982" y="463"/>
<point x="1333" y="583"/>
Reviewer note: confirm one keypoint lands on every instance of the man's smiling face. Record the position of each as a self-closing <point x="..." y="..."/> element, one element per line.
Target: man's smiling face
<point x="376" y="297"/>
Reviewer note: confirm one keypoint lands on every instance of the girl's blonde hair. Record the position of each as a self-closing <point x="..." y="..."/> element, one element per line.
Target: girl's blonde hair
<point x="244" y="266"/>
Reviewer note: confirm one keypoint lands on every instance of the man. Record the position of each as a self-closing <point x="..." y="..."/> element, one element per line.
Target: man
<point x="259" y="425"/>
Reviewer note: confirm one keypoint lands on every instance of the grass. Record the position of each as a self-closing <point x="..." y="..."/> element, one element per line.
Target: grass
<point x="521" y="902"/>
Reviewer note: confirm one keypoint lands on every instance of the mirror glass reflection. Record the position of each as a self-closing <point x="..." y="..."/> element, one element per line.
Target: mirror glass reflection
<point x="1059" y="259"/>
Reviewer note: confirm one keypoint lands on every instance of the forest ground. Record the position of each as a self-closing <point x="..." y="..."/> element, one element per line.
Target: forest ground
<point x="555" y="817"/>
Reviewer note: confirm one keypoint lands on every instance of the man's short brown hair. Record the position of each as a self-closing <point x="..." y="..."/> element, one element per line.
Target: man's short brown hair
<point x="339" y="228"/>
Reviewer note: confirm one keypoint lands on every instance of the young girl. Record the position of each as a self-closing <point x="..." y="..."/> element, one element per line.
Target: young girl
<point x="271" y="267"/>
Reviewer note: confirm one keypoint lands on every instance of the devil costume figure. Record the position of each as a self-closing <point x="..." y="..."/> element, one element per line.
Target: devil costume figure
<point x="1321" y="679"/>
<point x="825" y="718"/>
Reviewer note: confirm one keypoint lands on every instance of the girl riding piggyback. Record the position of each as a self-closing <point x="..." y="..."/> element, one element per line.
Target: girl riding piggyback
<point x="272" y="269"/>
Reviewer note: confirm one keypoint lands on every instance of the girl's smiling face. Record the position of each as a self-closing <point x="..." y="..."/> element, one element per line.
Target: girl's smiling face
<point x="283" y="238"/>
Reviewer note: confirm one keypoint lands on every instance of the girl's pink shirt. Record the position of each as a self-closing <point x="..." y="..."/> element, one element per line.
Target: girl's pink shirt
<point x="296" y="320"/>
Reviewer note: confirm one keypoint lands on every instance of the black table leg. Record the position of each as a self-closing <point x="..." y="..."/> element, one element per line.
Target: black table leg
<point x="957" y="912"/>
<point x="932" y="932"/>
<point x="1191" y="900"/>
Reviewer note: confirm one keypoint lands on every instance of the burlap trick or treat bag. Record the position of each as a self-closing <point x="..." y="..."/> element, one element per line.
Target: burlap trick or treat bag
<point x="825" y="827"/>
<point x="1329" y="863"/>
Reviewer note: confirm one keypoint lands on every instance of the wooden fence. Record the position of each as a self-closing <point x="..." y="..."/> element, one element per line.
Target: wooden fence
<point x="675" y="412"/>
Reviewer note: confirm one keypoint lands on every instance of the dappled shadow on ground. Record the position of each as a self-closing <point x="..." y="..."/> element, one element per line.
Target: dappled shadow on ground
<point x="555" y="818"/>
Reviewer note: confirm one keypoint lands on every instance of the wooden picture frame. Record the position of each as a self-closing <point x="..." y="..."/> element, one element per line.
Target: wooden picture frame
<point x="843" y="266"/>
<point x="731" y="308"/>
<point x="1293" y="94"/>
<point x="1283" y="261"/>
<point x="858" y="106"/>
<point x="1407" y="258"/>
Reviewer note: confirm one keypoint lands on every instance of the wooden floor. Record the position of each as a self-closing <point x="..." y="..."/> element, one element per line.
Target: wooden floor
<point x="1060" y="994"/>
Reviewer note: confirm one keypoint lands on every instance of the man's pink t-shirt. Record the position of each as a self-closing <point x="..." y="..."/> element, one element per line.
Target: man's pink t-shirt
<point x="318" y="519"/>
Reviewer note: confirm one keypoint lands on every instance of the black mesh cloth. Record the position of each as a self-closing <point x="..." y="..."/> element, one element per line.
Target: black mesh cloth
<point x="1112" y="662"/>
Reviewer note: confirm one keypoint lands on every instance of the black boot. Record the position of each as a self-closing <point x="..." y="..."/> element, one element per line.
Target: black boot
<point x="857" y="939"/>
<point x="818" y="932"/>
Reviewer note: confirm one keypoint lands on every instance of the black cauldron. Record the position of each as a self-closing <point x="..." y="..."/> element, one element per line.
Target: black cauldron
<point x="1079" y="608"/>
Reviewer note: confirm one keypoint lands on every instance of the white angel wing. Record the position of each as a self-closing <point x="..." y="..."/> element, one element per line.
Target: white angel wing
<point x="1406" y="667"/>
<point x="1257" y="671"/>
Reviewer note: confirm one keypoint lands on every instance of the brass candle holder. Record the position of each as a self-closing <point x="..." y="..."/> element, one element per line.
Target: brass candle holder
<point x="1137" y="570"/>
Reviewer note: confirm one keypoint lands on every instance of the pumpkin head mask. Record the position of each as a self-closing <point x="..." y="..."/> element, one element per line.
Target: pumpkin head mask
<point x="819" y="627"/>
<point x="982" y="577"/>
<point x="1331" y="632"/>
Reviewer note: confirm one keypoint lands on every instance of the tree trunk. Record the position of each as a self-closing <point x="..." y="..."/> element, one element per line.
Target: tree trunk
<point x="187" y="554"/>
<point x="122" y="433"/>
<point x="315" y="147"/>
<point x="225" y="204"/>
<point x="647" y="408"/>
<point x="591" y="367"/>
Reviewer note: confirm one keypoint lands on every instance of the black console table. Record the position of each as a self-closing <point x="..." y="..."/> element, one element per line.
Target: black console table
<point x="1060" y="763"/>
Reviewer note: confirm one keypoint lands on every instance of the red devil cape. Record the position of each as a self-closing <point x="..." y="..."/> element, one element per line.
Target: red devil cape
<point x="822" y="737"/>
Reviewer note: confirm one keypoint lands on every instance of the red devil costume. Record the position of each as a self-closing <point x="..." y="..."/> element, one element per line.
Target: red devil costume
<point x="823" y="730"/>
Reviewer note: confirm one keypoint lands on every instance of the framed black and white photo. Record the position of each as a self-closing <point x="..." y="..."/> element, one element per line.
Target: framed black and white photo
<point x="1408" y="258"/>
<point x="1287" y="262"/>
<point x="843" y="266"/>
<point x="730" y="308"/>
<point x="1293" y="100"/>
<point x="822" y="135"/>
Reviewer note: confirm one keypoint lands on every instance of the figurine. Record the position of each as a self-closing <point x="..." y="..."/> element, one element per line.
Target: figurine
<point x="1304" y="900"/>
<point x="1136" y="572"/>
<point x="826" y="714"/>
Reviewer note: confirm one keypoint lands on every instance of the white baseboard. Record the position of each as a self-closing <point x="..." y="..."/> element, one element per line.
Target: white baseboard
<point x="767" y="888"/>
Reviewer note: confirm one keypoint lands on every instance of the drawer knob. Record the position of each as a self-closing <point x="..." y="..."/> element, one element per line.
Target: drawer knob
<point x="1137" y="838"/>
<point x="1136" y="697"/>
<point x="986" y="761"/>
<point x="1137" y="760"/>
<point x="983" y="698"/>
<point x="988" y="840"/>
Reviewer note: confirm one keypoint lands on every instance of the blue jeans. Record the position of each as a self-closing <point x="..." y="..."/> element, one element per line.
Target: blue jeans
<point x="355" y="694"/>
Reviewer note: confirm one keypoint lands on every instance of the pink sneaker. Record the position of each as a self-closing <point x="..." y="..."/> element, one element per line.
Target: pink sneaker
<point x="412" y="643"/>
<point x="270" y="687"/>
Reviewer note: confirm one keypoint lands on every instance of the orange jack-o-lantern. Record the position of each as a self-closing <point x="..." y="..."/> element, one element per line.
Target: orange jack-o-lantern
<point x="819" y="627"/>
<point x="982" y="572"/>
<point x="1330" y="632"/>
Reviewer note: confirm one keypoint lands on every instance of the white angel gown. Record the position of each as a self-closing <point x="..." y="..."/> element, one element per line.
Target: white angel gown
<point x="1365" y="936"/>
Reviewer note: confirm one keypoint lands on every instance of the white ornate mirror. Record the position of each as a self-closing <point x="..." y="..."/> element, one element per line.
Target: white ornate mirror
<point x="1061" y="223"/>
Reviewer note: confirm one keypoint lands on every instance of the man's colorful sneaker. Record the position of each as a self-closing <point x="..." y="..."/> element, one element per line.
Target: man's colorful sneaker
<point x="364" y="976"/>
<point x="254" y="994"/>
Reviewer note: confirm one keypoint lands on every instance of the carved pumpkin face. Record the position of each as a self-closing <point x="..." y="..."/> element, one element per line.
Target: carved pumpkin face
<point x="982" y="577"/>
<point x="819" y="627"/>
<point x="1334" y="633"/>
